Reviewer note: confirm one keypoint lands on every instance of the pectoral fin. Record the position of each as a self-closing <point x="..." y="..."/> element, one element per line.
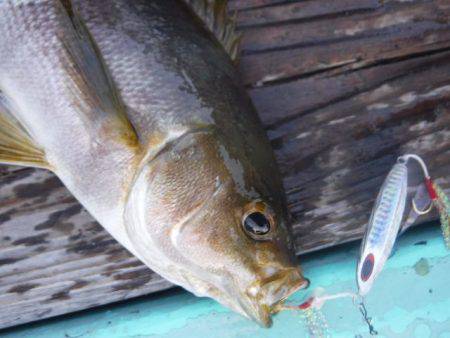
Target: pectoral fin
<point x="17" y="147"/>
<point x="100" y="103"/>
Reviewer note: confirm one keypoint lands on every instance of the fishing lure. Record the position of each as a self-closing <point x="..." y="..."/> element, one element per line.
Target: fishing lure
<point x="378" y="241"/>
<point x="443" y="205"/>
<point x="386" y="220"/>
<point x="316" y="323"/>
<point x="367" y="319"/>
<point x="382" y="230"/>
<point x="438" y="197"/>
<point x="421" y="205"/>
<point x="315" y="320"/>
<point x="311" y="313"/>
<point x="383" y="227"/>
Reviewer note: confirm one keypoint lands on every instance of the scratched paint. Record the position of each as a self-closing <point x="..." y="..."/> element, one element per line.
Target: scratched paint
<point x="402" y="303"/>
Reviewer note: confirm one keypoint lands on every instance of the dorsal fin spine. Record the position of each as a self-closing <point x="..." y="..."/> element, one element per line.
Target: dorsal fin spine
<point x="214" y="14"/>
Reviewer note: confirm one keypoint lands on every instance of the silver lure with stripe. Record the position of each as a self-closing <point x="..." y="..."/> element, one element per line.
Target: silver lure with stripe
<point x="383" y="226"/>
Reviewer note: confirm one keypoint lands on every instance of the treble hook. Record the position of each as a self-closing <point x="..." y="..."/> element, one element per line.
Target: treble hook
<point x="422" y="164"/>
<point x="421" y="212"/>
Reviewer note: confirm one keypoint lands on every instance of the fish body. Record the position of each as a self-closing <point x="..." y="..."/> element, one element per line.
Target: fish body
<point x="137" y="108"/>
<point x="383" y="227"/>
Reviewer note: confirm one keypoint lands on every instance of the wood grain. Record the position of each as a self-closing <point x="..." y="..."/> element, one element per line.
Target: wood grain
<point x="343" y="88"/>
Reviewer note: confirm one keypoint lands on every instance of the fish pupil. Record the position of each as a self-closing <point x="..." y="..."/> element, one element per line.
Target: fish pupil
<point x="257" y="224"/>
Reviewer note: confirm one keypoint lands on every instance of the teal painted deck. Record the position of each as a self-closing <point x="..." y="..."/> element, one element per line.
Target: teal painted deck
<point x="411" y="298"/>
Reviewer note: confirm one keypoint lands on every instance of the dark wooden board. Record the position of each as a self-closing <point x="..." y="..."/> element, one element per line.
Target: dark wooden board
<point x="342" y="87"/>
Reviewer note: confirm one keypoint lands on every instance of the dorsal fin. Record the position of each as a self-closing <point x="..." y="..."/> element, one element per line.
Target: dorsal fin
<point x="214" y="14"/>
<point x="16" y="145"/>
<point x="100" y="101"/>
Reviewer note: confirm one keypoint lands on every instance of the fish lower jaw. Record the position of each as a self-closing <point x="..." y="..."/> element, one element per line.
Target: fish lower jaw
<point x="270" y="304"/>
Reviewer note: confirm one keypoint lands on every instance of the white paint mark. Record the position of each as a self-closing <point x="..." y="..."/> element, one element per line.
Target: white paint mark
<point x="408" y="98"/>
<point x="268" y="78"/>
<point x="377" y="106"/>
<point x="412" y="96"/>
<point x="419" y="126"/>
<point x="380" y="92"/>
<point x="437" y="91"/>
<point x="303" y="135"/>
<point x="342" y="120"/>
<point x="327" y="209"/>
<point x="337" y="154"/>
<point x="430" y="141"/>
<point x="383" y="22"/>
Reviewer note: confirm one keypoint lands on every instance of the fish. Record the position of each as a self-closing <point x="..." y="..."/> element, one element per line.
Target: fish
<point x="138" y="108"/>
<point x="383" y="227"/>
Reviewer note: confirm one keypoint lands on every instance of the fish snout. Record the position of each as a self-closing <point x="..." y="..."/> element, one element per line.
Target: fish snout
<point x="272" y="291"/>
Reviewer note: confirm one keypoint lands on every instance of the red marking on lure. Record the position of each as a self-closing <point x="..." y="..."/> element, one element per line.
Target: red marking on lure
<point x="367" y="267"/>
<point x="430" y="188"/>
<point x="305" y="305"/>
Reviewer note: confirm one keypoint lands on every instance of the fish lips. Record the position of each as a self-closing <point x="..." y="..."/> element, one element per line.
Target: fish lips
<point x="265" y="296"/>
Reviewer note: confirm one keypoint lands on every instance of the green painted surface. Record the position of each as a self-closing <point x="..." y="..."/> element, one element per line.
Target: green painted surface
<point x="411" y="298"/>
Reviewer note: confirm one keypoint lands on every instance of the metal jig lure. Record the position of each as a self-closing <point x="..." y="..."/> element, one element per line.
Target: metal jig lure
<point x="383" y="227"/>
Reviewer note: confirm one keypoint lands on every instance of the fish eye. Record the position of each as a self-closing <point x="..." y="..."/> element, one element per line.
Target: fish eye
<point x="257" y="222"/>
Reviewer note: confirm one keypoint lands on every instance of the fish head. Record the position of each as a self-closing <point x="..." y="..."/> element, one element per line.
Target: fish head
<point x="205" y="219"/>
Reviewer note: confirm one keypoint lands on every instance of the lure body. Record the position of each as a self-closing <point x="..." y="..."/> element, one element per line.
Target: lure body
<point x="383" y="227"/>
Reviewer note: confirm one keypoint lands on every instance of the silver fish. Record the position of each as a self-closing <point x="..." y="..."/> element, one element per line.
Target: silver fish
<point x="138" y="109"/>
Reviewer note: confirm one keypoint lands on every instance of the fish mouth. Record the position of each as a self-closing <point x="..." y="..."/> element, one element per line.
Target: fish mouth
<point x="271" y="294"/>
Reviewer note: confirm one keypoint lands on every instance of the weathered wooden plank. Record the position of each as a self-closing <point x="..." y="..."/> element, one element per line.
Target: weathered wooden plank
<point x="297" y="49"/>
<point x="343" y="88"/>
<point x="310" y="28"/>
<point x="243" y="5"/>
<point x="276" y="13"/>
<point x="330" y="182"/>
<point x="54" y="258"/>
